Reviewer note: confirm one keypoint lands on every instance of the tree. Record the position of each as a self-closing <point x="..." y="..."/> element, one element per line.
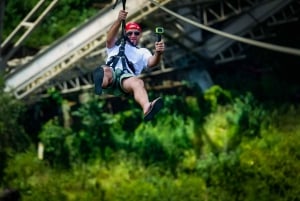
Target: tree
<point x="12" y="135"/>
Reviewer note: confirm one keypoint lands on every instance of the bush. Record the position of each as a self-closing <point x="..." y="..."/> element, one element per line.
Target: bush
<point x="261" y="167"/>
<point x="55" y="140"/>
<point x="13" y="137"/>
<point x="165" y="141"/>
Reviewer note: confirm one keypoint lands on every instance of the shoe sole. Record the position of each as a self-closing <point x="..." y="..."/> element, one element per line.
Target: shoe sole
<point x="158" y="104"/>
<point x="98" y="78"/>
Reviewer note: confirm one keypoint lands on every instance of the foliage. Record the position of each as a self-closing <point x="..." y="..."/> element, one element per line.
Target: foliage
<point x="97" y="132"/>
<point x="123" y="179"/>
<point x="216" y="96"/>
<point x="272" y="162"/>
<point x="66" y="15"/>
<point x="155" y="143"/>
<point x="225" y="128"/>
<point x="248" y="115"/>
<point x="160" y="187"/>
<point x="55" y="139"/>
<point x="55" y="96"/>
<point x="12" y="135"/>
<point x="247" y="153"/>
<point x="94" y="135"/>
<point x="32" y="177"/>
<point x="261" y="167"/>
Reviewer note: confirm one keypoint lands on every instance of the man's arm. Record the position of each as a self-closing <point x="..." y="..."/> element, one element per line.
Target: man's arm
<point x="114" y="29"/>
<point x="156" y="57"/>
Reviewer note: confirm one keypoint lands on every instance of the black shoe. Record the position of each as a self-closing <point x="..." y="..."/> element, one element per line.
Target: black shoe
<point x="98" y="78"/>
<point x="154" y="108"/>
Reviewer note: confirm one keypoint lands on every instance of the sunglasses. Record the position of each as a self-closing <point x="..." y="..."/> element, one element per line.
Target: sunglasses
<point x="136" y="33"/>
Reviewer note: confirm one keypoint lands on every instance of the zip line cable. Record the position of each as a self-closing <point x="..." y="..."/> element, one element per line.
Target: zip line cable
<point x="269" y="46"/>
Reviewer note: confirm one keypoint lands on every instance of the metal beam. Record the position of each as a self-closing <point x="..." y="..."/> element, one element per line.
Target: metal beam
<point x="28" y="24"/>
<point x="241" y="26"/>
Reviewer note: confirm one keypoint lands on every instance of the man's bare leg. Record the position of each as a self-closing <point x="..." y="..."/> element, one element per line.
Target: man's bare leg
<point x="136" y="86"/>
<point x="108" y="77"/>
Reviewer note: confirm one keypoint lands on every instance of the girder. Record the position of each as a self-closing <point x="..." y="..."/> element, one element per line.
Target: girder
<point x="236" y="50"/>
<point x="26" y="26"/>
<point x="241" y="26"/>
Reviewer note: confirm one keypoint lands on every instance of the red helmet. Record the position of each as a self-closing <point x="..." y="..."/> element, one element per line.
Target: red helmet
<point x="133" y="25"/>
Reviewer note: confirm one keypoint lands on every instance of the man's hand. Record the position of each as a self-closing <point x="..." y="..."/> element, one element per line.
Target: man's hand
<point x="113" y="31"/>
<point x="122" y="15"/>
<point x="159" y="47"/>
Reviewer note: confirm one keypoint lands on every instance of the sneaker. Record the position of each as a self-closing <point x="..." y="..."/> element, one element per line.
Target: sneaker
<point x="98" y="78"/>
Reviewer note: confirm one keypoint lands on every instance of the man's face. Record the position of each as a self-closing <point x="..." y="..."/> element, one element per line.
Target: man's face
<point x="134" y="35"/>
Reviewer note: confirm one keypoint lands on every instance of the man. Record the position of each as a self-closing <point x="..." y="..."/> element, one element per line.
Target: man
<point x="123" y="79"/>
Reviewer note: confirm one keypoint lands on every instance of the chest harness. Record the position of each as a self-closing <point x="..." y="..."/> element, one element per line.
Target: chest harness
<point x="113" y="60"/>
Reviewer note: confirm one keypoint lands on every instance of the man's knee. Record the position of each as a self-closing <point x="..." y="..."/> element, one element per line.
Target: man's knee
<point x="137" y="83"/>
<point x="108" y="76"/>
<point x="132" y="83"/>
<point x="140" y="82"/>
<point x="107" y="71"/>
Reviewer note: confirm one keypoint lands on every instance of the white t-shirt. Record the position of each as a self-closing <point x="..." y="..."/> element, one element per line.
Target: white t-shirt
<point x="138" y="56"/>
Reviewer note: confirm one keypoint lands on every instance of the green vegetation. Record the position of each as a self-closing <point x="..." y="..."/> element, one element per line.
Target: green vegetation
<point x="66" y="15"/>
<point x="220" y="147"/>
<point x="12" y="135"/>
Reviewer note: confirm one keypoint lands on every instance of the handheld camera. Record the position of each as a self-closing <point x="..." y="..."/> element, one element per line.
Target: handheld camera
<point x="159" y="31"/>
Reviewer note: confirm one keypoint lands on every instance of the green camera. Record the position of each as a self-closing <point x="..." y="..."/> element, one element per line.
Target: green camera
<point x="159" y="30"/>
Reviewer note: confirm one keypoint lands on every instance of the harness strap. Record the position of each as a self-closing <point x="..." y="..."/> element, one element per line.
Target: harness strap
<point x="121" y="55"/>
<point x="124" y="60"/>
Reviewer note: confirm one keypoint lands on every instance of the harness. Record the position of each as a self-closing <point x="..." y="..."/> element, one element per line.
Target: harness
<point x="112" y="62"/>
